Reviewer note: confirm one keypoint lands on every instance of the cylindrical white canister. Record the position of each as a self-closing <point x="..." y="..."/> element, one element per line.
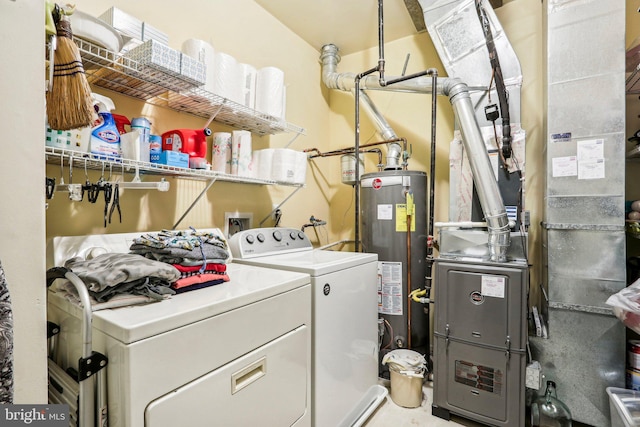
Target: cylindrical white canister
<point x="348" y="168"/>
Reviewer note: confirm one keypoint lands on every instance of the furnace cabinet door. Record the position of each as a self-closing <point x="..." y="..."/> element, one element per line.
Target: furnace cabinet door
<point x="479" y="383"/>
<point x="481" y="304"/>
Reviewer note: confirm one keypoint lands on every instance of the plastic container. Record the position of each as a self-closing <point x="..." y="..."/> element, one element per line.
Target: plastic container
<point x="190" y="141"/>
<point x="407" y="369"/>
<point x="155" y="148"/>
<point x="105" y="138"/>
<point x="142" y="125"/>
<point x="348" y="168"/>
<point x="625" y="407"/>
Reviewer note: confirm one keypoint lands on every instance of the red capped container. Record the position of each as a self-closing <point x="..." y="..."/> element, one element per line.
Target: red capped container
<point x="190" y="141"/>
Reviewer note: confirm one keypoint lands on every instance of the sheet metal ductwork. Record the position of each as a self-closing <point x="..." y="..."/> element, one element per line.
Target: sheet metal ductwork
<point x="460" y="42"/>
<point x="458" y="93"/>
<point x="583" y="228"/>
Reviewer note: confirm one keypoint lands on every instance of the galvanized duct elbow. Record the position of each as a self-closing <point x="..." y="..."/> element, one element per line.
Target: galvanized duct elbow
<point x="486" y="186"/>
<point x="346" y="82"/>
<point x="458" y="92"/>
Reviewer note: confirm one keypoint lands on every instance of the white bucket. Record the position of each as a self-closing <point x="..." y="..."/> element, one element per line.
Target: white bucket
<point x="407" y="369"/>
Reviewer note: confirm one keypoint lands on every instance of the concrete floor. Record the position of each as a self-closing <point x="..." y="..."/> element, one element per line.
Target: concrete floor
<point x="389" y="414"/>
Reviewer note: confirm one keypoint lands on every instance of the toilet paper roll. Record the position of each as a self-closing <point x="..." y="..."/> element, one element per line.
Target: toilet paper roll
<point x="225" y="79"/>
<point x="241" y="140"/>
<point x="283" y="166"/>
<point x="203" y="52"/>
<point x="248" y="75"/>
<point x="300" y="174"/>
<point x="262" y="163"/>
<point x="221" y="156"/>
<point x="270" y="91"/>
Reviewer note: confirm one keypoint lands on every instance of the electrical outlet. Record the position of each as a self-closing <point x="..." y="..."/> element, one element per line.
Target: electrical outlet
<point x="237" y="221"/>
<point x="533" y="378"/>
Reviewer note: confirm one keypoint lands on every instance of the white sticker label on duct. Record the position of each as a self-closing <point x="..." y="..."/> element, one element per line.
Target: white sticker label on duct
<point x="385" y="212"/>
<point x="591" y="159"/>
<point x="390" y="288"/>
<point x="564" y="166"/>
<point x="493" y="286"/>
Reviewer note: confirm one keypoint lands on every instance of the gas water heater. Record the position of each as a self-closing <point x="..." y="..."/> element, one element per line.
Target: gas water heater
<point x="402" y="252"/>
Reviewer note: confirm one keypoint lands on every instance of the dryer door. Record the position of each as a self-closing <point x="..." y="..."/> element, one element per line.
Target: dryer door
<point x="266" y="386"/>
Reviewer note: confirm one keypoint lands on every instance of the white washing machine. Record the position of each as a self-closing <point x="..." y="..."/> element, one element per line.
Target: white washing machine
<point x="234" y="354"/>
<point x="344" y="360"/>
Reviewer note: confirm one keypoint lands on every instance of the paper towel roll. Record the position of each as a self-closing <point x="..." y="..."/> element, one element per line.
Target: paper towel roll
<point x="300" y="174"/>
<point x="270" y="91"/>
<point x="241" y="140"/>
<point x="248" y="75"/>
<point x="221" y="156"/>
<point x="203" y="52"/>
<point x="262" y="163"/>
<point x="131" y="147"/>
<point x="225" y="79"/>
<point x="283" y="166"/>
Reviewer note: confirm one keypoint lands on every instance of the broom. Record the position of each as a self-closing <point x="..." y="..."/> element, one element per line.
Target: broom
<point x="69" y="102"/>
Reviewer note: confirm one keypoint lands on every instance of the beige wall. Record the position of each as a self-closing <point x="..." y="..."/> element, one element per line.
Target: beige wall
<point x="410" y="114"/>
<point x="243" y="29"/>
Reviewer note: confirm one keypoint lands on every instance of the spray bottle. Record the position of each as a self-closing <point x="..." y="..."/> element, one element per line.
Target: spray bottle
<point x="105" y="138"/>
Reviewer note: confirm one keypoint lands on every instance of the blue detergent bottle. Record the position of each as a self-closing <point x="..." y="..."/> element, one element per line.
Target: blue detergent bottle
<point x="105" y="138"/>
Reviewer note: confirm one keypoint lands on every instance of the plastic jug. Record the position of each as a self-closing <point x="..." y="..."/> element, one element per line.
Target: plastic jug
<point x="105" y="139"/>
<point x="549" y="411"/>
<point x="190" y="141"/>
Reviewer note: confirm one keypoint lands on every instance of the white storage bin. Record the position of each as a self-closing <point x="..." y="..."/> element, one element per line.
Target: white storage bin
<point x="625" y="407"/>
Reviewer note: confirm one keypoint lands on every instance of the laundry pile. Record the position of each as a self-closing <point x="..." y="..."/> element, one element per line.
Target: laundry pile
<point x="199" y="256"/>
<point x="116" y="279"/>
<point x="158" y="265"/>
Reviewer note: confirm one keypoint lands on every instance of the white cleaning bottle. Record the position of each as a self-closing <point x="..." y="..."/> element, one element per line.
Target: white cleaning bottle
<point x="105" y="138"/>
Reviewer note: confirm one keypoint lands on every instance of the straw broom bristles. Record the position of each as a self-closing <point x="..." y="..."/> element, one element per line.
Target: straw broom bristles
<point x="69" y="102"/>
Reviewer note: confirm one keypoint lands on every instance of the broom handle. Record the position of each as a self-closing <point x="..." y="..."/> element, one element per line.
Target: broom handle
<point x="53" y="44"/>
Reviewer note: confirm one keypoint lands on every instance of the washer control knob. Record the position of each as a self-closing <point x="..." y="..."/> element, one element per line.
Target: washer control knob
<point x="293" y="235"/>
<point x="277" y="235"/>
<point x="250" y="239"/>
<point x="301" y="235"/>
<point x="260" y="237"/>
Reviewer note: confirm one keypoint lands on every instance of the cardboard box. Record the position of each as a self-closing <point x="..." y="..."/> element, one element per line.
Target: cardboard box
<point x="193" y="70"/>
<point x="123" y="22"/>
<point x="150" y="32"/>
<point x="153" y="55"/>
<point x="174" y="158"/>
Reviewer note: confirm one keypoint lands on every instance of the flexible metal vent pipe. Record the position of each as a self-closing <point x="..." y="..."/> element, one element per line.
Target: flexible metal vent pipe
<point x="458" y="93"/>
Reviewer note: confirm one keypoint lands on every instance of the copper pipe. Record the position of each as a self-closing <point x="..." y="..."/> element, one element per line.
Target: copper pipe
<point x="350" y="149"/>
<point x="408" y="275"/>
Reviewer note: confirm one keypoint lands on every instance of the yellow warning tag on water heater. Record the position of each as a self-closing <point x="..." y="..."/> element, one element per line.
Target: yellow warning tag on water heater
<point x="402" y="214"/>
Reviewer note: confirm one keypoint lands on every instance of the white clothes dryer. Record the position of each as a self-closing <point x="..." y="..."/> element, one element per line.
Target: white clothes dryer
<point x="344" y="361"/>
<point x="234" y="354"/>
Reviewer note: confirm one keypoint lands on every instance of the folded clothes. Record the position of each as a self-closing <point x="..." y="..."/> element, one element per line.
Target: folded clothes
<point x="205" y="251"/>
<point x="197" y="279"/>
<point x="209" y="267"/>
<point x="199" y="286"/>
<point x="182" y="239"/>
<point x="112" y="269"/>
<point x="175" y="246"/>
<point x="69" y="292"/>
